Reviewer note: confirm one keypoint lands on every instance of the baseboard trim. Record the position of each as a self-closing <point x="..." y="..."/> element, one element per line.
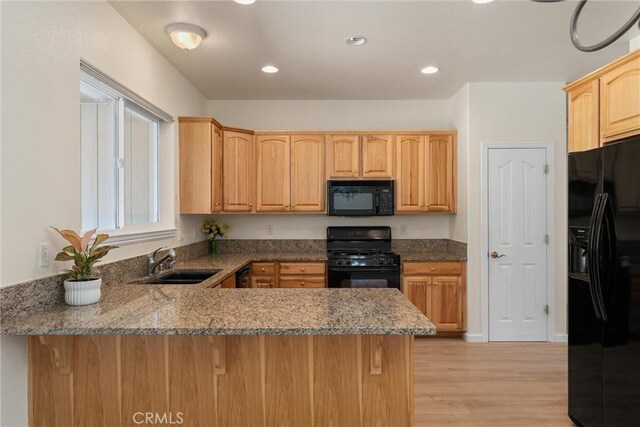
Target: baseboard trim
<point x="560" y="338"/>
<point x="473" y="337"/>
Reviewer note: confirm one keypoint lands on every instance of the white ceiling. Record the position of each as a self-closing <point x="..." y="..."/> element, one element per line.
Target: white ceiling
<point x="504" y="41"/>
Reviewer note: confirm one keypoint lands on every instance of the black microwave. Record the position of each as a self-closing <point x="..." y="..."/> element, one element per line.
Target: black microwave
<point x="360" y="198"/>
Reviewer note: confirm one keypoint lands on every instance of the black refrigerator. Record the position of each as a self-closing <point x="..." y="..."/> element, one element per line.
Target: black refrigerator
<point x="604" y="285"/>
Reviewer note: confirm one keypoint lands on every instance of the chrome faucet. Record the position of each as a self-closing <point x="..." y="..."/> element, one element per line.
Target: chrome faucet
<point x="153" y="264"/>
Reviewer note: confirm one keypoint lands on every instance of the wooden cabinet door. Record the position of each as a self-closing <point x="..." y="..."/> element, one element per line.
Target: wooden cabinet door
<point x="446" y="299"/>
<point x="195" y="167"/>
<point x="377" y="156"/>
<point x="583" y="117"/>
<point x="216" y="169"/>
<point x="416" y="289"/>
<point x="273" y="181"/>
<point x="441" y="174"/>
<point x="620" y="101"/>
<point x="239" y="167"/>
<point x="263" y="281"/>
<point x="307" y="173"/>
<point x="410" y="177"/>
<point x="343" y="156"/>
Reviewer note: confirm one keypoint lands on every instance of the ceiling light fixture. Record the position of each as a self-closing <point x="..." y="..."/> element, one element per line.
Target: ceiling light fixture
<point x="356" y="41"/>
<point x="270" y="69"/>
<point x="429" y="70"/>
<point x="573" y="28"/>
<point x="482" y="1"/>
<point x="186" y="36"/>
<point x="245" y="1"/>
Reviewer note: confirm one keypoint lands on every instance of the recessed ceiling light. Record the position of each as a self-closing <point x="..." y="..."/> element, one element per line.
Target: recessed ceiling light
<point x="356" y="40"/>
<point x="186" y="36"/>
<point x="269" y="69"/>
<point x="429" y="70"/>
<point x="245" y="1"/>
<point x="482" y="1"/>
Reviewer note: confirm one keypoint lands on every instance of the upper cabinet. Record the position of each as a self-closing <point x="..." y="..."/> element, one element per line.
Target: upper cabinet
<point x="239" y="166"/>
<point x="410" y="179"/>
<point x="441" y="180"/>
<point x="273" y="176"/>
<point x="308" y="183"/>
<point x="620" y="101"/>
<point x="360" y="156"/>
<point x="605" y="105"/>
<point x="343" y="156"/>
<point x="377" y="156"/>
<point x="583" y="117"/>
<point x="426" y="173"/>
<point x="236" y="171"/>
<point x="290" y="173"/>
<point x="200" y="165"/>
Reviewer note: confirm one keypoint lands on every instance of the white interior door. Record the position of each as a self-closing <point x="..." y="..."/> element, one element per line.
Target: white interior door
<point x="517" y="202"/>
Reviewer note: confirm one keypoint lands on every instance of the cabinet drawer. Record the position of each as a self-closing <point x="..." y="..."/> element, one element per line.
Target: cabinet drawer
<point x="302" y="282"/>
<point x="263" y="281"/>
<point x="258" y="268"/>
<point x="302" y="268"/>
<point x="421" y="268"/>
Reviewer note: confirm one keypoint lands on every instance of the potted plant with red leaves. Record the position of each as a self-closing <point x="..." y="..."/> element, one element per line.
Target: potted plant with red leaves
<point x="82" y="287"/>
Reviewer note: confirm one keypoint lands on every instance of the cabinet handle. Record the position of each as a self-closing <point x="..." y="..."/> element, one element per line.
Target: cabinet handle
<point x="286" y="206"/>
<point x="270" y="283"/>
<point x="217" y="204"/>
<point x="293" y="205"/>
<point x="301" y="268"/>
<point x="262" y="269"/>
<point x="301" y="283"/>
<point x="432" y="269"/>
<point x="250" y="205"/>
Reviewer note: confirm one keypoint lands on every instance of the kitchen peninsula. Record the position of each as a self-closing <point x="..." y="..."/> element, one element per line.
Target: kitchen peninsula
<point x="224" y="356"/>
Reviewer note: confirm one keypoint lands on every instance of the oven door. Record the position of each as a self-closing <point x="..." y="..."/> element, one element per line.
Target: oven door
<point x="364" y="277"/>
<point x="348" y="200"/>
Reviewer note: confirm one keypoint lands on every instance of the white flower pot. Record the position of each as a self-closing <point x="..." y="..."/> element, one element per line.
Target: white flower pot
<point x="82" y="292"/>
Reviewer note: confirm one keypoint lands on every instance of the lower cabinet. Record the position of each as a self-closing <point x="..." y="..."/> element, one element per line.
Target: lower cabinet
<point x="438" y="290"/>
<point x="288" y="275"/>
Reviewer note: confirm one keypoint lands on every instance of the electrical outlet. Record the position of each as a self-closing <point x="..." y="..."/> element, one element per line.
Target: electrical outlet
<point x="269" y="230"/>
<point x="403" y="229"/>
<point x="45" y="254"/>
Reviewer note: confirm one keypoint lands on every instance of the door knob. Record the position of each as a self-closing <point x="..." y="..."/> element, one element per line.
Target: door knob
<point x="495" y="254"/>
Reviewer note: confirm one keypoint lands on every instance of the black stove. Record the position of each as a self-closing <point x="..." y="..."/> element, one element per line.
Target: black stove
<point x="361" y="257"/>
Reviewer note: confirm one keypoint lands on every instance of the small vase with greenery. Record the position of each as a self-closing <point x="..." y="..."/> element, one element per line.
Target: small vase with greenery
<point x="213" y="229"/>
<point x="82" y="287"/>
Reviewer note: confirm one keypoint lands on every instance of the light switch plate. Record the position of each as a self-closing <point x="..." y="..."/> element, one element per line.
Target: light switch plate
<point x="45" y="254"/>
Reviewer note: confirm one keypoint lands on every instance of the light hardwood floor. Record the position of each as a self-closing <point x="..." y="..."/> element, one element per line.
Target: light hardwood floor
<point x="492" y="384"/>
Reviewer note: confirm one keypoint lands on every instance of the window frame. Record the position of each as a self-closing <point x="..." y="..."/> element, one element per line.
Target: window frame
<point x="165" y="226"/>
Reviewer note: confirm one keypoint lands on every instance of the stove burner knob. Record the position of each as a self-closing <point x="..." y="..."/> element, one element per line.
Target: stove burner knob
<point x="380" y="261"/>
<point x="339" y="262"/>
<point x="348" y="262"/>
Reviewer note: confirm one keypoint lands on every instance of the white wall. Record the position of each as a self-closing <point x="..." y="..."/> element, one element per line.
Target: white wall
<point x="459" y="116"/>
<point x="42" y="44"/>
<point x="333" y="115"/>
<point x="514" y="112"/>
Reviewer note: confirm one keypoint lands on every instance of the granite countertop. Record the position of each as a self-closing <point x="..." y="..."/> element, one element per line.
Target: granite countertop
<point x="418" y="255"/>
<point x="194" y="310"/>
<point x="206" y="309"/>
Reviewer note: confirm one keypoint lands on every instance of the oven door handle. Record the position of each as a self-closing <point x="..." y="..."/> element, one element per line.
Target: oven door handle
<point x="365" y="269"/>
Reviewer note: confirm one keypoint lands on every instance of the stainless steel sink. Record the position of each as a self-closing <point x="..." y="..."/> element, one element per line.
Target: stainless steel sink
<point x="178" y="277"/>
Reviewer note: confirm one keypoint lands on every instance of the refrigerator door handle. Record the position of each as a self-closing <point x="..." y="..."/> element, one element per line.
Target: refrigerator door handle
<point x="597" y="254"/>
<point x="592" y="255"/>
